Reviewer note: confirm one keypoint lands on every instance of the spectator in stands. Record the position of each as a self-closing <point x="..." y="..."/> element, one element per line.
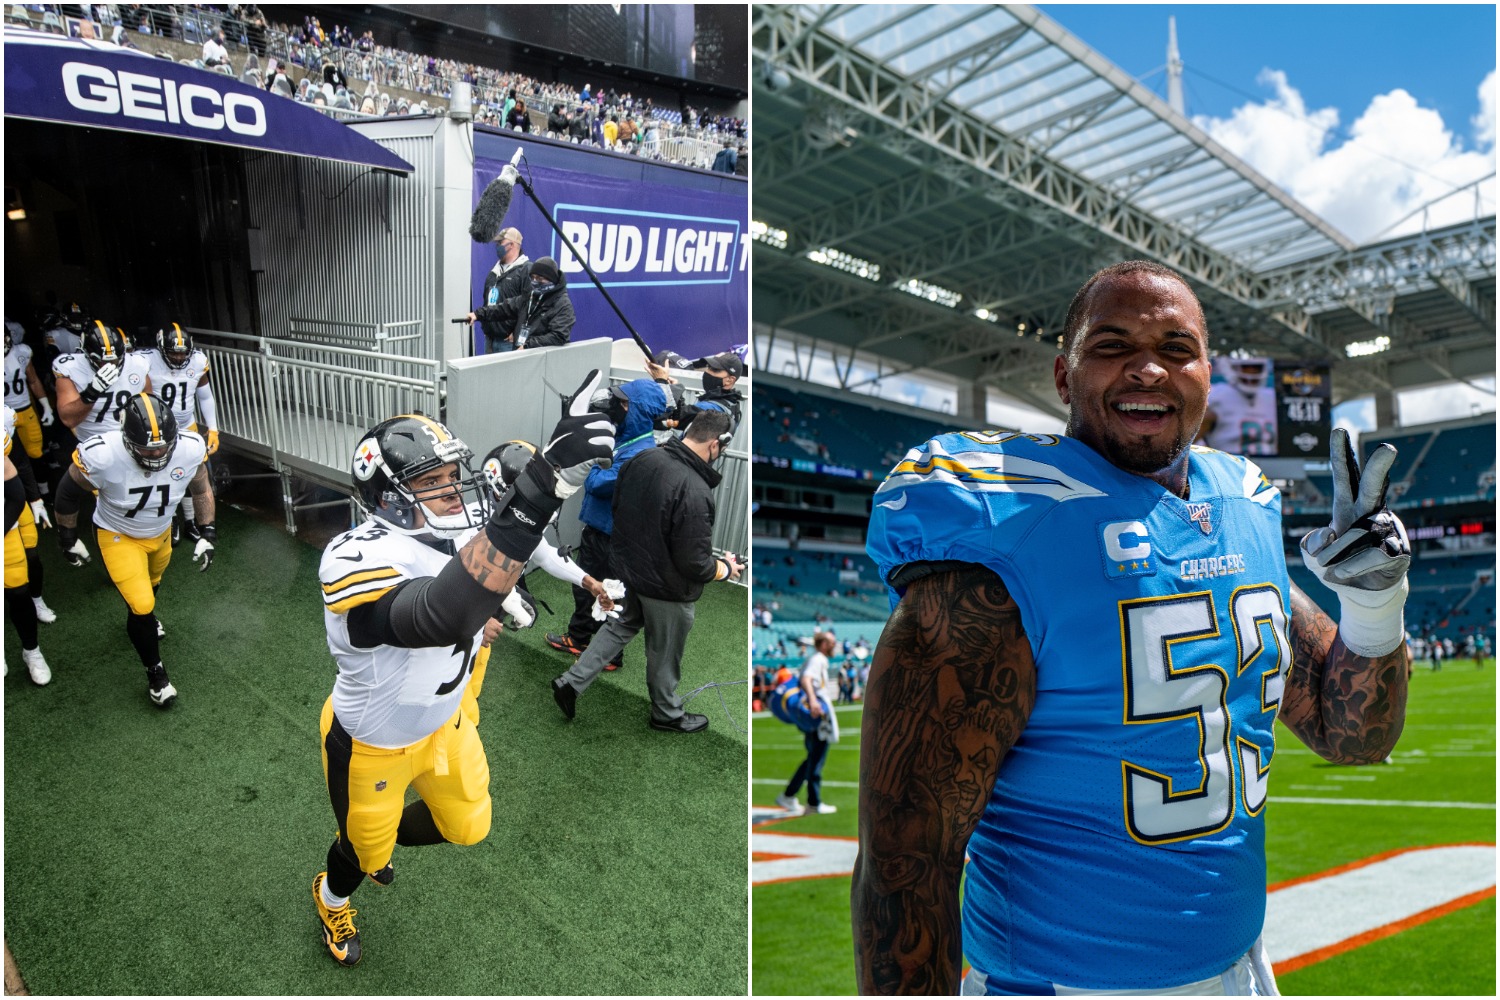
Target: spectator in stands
<point x="214" y="52"/>
<point x="586" y="95"/>
<point x="251" y="74"/>
<point x="578" y="124"/>
<point x="557" y="122"/>
<point x="742" y="162"/>
<point x="611" y="132"/>
<point x="815" y="688"/>
<point x="333" y="78"/>
<point x="511" y="276"/>
<point x="519" y="119"/>
<point x="628" y="132"/>
<point x="255" y="28"/>
<point x="724" y="162"/>
<point x="663" y="509"/>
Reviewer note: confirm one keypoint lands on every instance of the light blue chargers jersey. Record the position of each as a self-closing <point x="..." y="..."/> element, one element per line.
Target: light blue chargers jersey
<point x="1123" y="845"/>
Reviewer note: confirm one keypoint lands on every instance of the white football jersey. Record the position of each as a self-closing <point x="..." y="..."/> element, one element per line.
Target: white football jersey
<point x="1245" y="425"/>
<point x="10" y="426"/>
<point x="133" y="501"/>
<point x="65" y="340"/>
<point x="105" y="415"/>
<point x="388" y="696"/>
<point x="177" y="387"/>
<point x="17" y="391"/>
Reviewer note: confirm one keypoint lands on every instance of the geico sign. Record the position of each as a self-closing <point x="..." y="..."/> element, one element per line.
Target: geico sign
<point x="137" y="95"/>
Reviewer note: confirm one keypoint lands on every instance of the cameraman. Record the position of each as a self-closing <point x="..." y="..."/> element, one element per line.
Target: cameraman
<point x="663" y="547"/>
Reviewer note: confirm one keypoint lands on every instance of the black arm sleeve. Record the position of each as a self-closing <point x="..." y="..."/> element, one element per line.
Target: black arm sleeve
<point x="69" y="494"/>
<point x="433" y="611"/>
<point x="15" y="501"/>
<point x="22" y="462"/>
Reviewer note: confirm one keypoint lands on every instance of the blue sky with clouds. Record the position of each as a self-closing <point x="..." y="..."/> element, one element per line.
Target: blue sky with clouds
<point x="1365" y="113"/>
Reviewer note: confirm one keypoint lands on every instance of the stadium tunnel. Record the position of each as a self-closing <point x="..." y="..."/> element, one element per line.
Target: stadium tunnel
<point x="126" y="184"/>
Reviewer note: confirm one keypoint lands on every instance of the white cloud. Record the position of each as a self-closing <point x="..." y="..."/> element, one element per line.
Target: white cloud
<point x="1397" y="157"/>
<point x="1484" y="122"/>
<point x="1450" y="401"/>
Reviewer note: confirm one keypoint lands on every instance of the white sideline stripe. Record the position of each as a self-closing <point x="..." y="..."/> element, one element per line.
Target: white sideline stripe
<point x="837" y="708"/>
<point x="814" y="857"/>
<point x="1398" y="803"/>
<point x="782" y="782"/>
<point x="1310" y="916"/>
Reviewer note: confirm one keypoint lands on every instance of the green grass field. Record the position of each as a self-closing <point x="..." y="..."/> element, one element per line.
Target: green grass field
<point x="173" y="852"/>
<point x="800" y="930"/>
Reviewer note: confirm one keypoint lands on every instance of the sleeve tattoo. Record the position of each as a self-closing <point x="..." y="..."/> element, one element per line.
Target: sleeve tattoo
<point x="1348" y="709"/>
<point x="951" y="687"/>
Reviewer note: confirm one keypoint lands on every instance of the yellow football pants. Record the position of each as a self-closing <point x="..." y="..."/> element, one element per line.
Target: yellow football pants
<point x="135" y="565"/>
<point x="367" y="786"/>
<point x="29" y="430"/>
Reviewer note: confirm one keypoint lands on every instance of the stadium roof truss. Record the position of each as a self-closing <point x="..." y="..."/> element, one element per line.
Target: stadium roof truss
<point x="984" y="152"/>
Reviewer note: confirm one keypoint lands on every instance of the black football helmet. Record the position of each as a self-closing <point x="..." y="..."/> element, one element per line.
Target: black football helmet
<point x="503" y="465"/>
<point x="102" y="345"/>
<point x="176" y="346"/>
<point x="398" y="450"/>
<point x="75" y="319"/>
<point x="150" y="431"/>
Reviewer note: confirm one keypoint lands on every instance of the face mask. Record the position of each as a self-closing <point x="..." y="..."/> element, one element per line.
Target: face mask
<point x="712" y="383"/>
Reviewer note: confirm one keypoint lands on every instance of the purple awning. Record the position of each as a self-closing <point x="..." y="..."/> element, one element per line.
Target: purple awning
<point x="77" y="82"/>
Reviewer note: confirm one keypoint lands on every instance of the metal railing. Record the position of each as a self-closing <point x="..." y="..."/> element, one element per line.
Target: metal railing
<point x="406" y="339"/>
<point x="303" y="407"/>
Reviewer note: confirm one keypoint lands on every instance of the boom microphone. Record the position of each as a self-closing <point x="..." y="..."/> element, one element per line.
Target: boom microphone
<point x="489" y="214"/>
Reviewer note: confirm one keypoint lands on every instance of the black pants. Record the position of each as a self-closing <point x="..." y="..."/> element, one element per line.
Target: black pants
<point x="593" y="557"/>
<point x="810" y="770"/>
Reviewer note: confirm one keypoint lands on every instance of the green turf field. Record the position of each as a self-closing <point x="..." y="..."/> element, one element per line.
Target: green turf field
<point x="173" y="852"/>
<point x="800" y="932"/>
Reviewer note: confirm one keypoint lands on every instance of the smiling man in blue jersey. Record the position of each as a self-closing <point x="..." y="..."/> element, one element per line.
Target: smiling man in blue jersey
<point x="1092" y="639"/>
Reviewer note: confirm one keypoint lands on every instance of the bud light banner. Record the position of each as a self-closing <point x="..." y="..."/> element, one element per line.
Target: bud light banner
<point x="670" y="244"/>
<point x="80" y="82"/>
<point x="1304" y="404"/>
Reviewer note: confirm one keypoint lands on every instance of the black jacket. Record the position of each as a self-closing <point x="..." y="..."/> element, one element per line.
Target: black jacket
<point x="498" y="288"/>
<point x="664" y="523"/>
<point x="557" y="122"/>
<point x="548" y="322"/>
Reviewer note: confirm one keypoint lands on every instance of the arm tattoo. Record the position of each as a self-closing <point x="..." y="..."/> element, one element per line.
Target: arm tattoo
<point x="951" y="687"/>
<point x="1348" y="709"/>
<point x="203" y="497"/>
<point x="491" y="568"/>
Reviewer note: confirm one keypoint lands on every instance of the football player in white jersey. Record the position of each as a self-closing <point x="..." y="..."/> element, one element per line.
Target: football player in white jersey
<point x="65" y="330"/>
<point x="1241" y="414"/>
<point x="35" y="516"/>
<point x="21" y="386"/>
<point x="18" y="606"/>
<point x="93" y="388"/>
<point x="405" y="608"/>
<point x="179" y="375"/>
<point x="141" y="471"/>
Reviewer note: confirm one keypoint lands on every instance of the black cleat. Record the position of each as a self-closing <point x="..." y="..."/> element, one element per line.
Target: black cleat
<point x="385" y="876"/>
<point x="565" y="696"/>
<point x="158" y="688"/>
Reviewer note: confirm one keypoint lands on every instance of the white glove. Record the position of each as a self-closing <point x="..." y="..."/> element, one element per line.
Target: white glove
<point x="203" y="554"/>
<point x="104" y="378"/>
<point x="580" y="441"/>
<point x="1364" y="554"/>
<point x="46" y="416"/>
<point x="40" y="515"/>
<point x="516" y="605"/>
<point x="77" y="553"/>
<point x="616" y="591"/>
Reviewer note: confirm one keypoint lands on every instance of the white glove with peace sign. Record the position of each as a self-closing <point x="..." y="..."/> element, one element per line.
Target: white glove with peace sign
<point x="581" y="440"/>
<point x="1364" y="554"/>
